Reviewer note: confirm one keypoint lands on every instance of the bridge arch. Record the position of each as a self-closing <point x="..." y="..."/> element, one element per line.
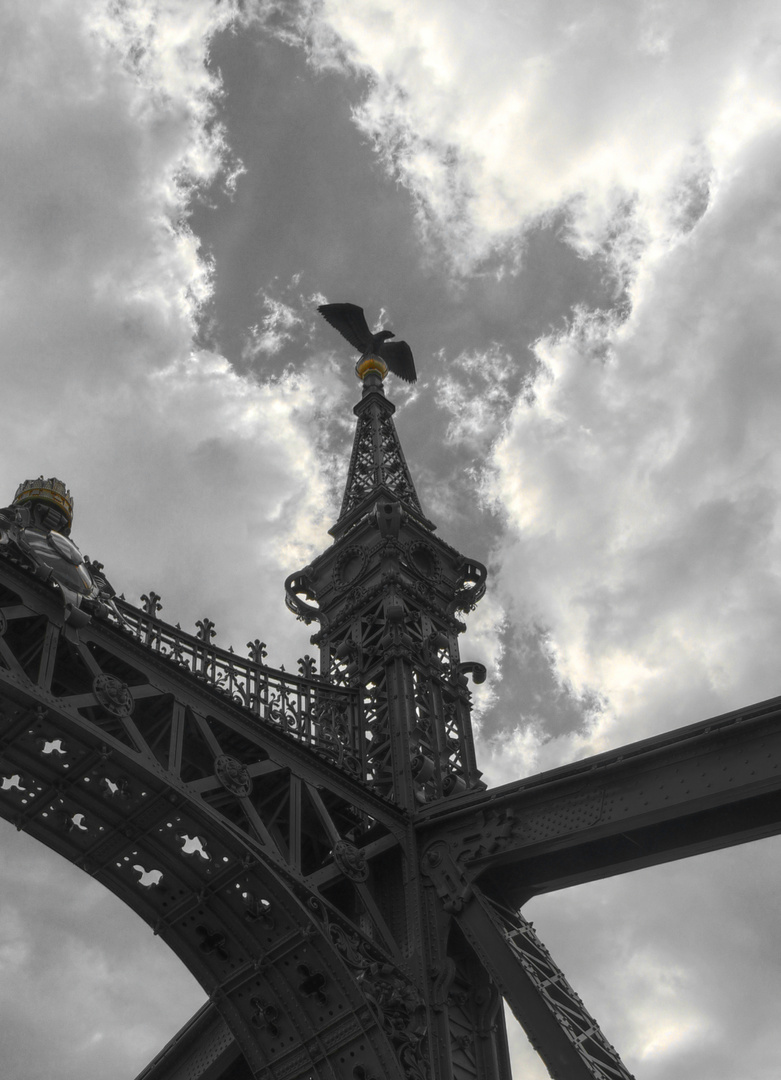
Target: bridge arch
<point x="129" y="768"/>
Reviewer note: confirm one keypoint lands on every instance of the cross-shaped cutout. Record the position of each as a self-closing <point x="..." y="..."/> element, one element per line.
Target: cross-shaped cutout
<point x="51" y="746"/>
<point x="258" y="908"/>
<point x="212" y="942"/>
<point x="110" y="788"/>
<point x="194" y="845"/>
<point x="148" y="878"/>
<point x="312" y="984"/>
<point x="265" y="1015"/>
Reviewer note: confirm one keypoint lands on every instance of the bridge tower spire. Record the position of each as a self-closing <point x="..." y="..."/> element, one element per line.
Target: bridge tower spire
<point x="388" y="594"/>
<point x="378" y="467"/>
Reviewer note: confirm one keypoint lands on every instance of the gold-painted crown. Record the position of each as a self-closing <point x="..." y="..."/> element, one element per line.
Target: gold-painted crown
<point x="51" y="491"/>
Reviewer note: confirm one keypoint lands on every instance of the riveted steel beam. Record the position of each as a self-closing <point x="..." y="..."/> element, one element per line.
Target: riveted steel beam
<point x="704" y="787"/>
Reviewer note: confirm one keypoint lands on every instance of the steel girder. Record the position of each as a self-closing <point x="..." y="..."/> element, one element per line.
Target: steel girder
<point x="703" y="787"/>
<point x="232" y="840"/>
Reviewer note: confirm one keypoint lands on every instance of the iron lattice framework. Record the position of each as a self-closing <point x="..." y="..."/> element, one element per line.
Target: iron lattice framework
<point x="319" y="849"/>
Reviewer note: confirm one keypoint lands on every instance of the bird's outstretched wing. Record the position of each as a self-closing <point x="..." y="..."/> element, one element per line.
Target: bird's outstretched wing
<point x="398" y="356"/>
<point x="351" y="323"/>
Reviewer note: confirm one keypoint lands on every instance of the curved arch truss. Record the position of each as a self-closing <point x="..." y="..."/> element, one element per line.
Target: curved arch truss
<point x="246" y="850"/>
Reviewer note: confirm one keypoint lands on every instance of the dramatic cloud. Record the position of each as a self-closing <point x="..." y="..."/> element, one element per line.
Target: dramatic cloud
<point x="641" y="484"/>
<point x="573" y="211"/>
<point x="497" y="115"/>
<point x="496" y="119"/>
<point x="105" y="282"/>
<point x="275" y="328"/>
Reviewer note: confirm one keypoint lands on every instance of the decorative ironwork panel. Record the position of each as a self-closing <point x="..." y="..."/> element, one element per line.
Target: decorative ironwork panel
<point x="307" y="708"/>
<point x="377" y="461"/>
<point x="600" y="1059"/>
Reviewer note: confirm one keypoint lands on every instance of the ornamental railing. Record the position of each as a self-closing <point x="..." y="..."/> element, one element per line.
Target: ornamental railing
<point x="304" y="705"/>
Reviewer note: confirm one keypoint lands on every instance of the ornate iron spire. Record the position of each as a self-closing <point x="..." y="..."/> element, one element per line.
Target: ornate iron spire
<point x="378" y="468"/>
<point x="386" y="595"/>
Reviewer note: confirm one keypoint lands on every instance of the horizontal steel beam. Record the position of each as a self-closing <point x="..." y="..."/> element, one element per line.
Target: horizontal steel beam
<point x="703" y="787"/>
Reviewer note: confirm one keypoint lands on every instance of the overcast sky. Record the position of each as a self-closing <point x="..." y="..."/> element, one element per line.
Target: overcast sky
<point x="571" y="209"/>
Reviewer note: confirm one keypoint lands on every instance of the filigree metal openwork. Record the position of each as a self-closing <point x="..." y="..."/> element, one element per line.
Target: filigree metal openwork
<point x="303" y="706"/>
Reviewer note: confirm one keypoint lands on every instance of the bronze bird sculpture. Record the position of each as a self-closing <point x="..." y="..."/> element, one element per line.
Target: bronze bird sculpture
<point x="351" y="323"/>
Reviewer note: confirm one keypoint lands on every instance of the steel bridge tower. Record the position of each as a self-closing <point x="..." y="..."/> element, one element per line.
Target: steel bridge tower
<point x="318" y="848"/>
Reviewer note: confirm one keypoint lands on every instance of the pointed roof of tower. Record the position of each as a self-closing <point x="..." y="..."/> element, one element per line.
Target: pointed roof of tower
<point x="378" y="468"/>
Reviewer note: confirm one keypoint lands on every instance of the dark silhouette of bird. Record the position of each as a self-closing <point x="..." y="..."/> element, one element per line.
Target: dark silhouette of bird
<point x="351" y="323"/>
